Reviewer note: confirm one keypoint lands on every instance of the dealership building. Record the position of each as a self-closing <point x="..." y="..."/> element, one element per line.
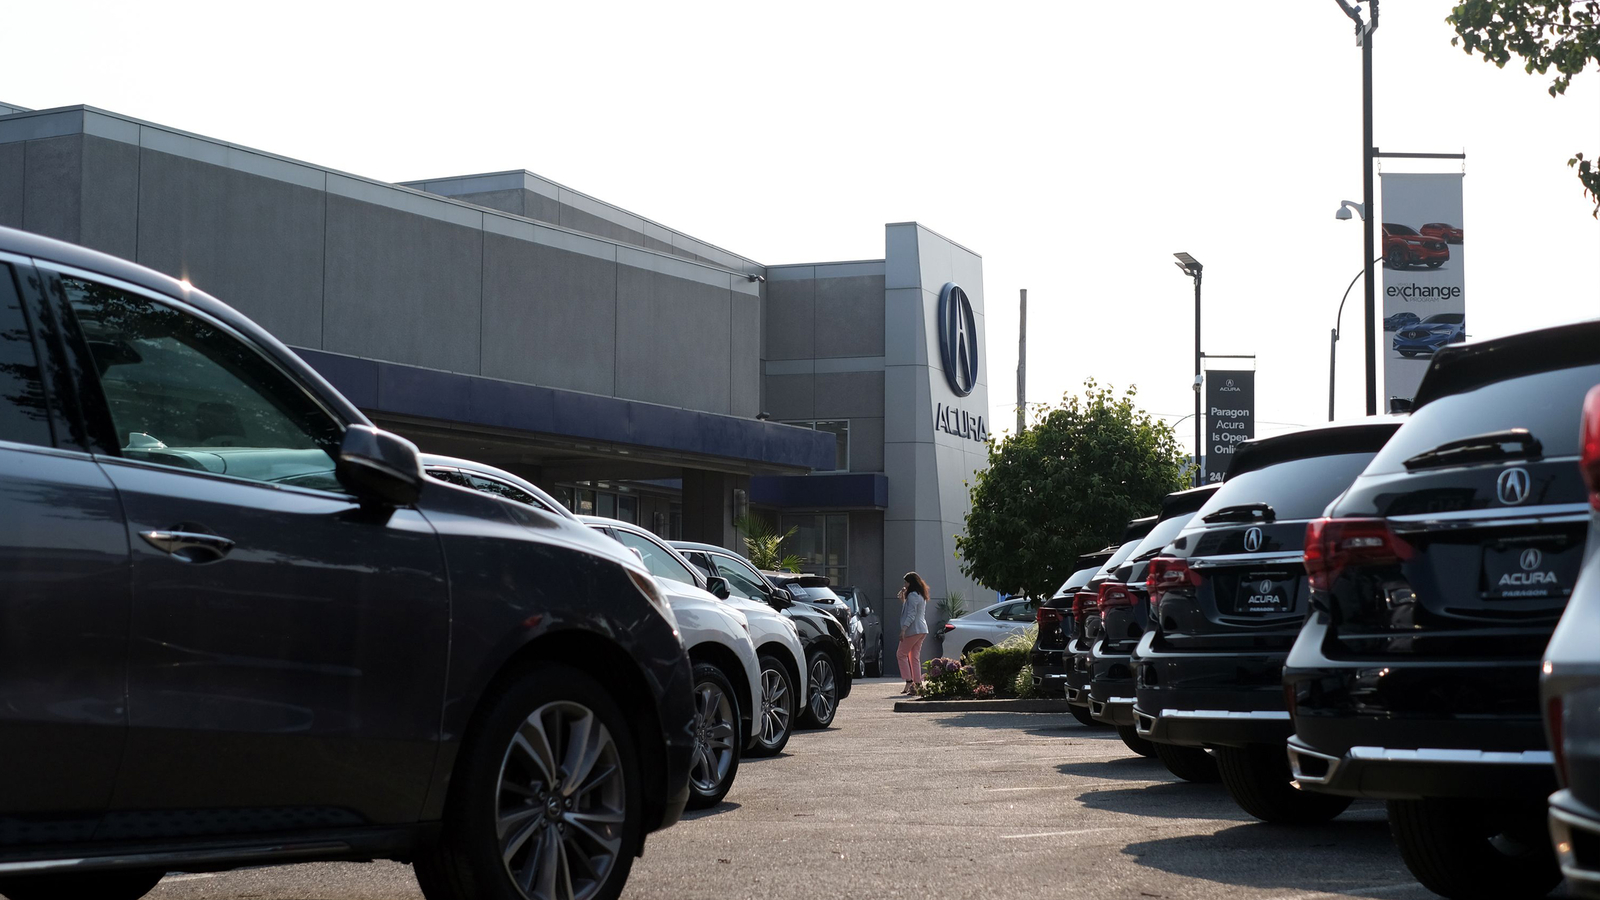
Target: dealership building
<point x="628" y="368"/>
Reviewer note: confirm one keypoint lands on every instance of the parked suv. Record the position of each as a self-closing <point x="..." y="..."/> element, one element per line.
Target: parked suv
<point x="1086" y="622"/>
<point x="243" y="628"/>
<point x="1570" y="688"/>
<point x="1404" y="247"/>
<point x="1227" y="600"/>
<point x="1053" y="618"/>
<point x="835" y="670"/>
<point x="1436" y="581"/>
<point x="821" y="636"/>
<point x="867" y="634"/>
<point x="1124" y="606"/>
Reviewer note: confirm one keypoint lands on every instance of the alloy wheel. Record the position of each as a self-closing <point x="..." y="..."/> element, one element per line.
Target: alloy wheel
<point x="714" y="728"/>
<point x="775" y="714"/>
<point x="561" y="804"/>
<point x="824" y="690"/>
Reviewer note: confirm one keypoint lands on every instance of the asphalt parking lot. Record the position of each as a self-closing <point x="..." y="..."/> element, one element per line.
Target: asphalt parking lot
<point x="947" y="805"/>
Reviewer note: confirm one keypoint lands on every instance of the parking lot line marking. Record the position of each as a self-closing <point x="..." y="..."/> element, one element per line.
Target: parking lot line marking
<point x="1040" y="834"/>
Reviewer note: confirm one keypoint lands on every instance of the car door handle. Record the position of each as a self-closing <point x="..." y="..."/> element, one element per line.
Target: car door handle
<point x="189" y="546"/>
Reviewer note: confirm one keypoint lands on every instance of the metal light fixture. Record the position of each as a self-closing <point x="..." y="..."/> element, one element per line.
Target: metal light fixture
<point x="1345" y="206"/>
<point x="1191" y="267"/>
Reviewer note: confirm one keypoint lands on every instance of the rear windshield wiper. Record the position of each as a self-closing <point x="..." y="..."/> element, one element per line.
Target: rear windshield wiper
<point x="1479" y="447"/>
<point x="1243" y="512"/>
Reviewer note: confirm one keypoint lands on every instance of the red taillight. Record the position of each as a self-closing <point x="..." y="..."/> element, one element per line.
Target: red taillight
<point x="949" y="627"/>
<point x="1081" y="601"/>
<point x="1047" y="614"/>
<point x="1113" y="594"/>
<point x="1589" y="434"/>
<point x="1552" y="720"/>
<point x="1168" y="574"/>
<point x="1333" y="544"/>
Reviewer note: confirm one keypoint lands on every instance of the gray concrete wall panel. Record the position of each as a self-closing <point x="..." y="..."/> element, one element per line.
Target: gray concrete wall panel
<point x="866" y="444"/>
<point x="849" y="314"/>
<point x="745" y="352"/>
<point x="791" y="317"/>
<point x="790" y="397"/>
<point x="402" y="287"/>
<point x="551" y="314"/>
<point x="110" y="215"/>
<point x="672" y="339"/>
<point x="845" y="395"/>
<point x="257" y="243"/>
<point x="13" y="179"/>
<point x="52" y="201"/>
<point x="513" y="201"/>
<point x="866" y="568"/>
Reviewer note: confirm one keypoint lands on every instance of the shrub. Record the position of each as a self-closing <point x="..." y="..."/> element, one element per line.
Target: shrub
<point x="998" y="665"/>
<point x="947" y="679"/>
<point x="983" y="692"/>
<point x="1025" y="689"/>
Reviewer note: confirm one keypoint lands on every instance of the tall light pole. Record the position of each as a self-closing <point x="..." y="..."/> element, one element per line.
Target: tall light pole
<point x="1191" y="267"/>
<point x="1364" y="32"/>
<point x="1022" y="365"/>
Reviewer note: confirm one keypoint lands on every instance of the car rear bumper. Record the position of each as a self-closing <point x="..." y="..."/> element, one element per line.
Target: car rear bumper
<point x="1078" y="673"/>
<point x="1575" y="831"/>
<point x="1213" y="699"/>
<point x="1111" y="689"/>
<point x="1390" y="773"/>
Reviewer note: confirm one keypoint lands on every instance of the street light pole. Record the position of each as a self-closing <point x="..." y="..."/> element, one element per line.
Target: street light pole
<point x="1191" y="266"/>
<point x="1364" y="39"/>
<point x="1338" y="317"/>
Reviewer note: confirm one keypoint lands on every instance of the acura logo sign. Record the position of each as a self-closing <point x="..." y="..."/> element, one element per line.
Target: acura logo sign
<point x="1531" y="558"/>
<point x="958" y="339"/>
<point x="1512" y="486"/>
<point x="1265" y="586"/>
<point x="1252" y="540"/>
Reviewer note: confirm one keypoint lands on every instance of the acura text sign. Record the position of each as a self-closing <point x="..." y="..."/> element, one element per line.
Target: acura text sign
<point x="1230" y="417"/>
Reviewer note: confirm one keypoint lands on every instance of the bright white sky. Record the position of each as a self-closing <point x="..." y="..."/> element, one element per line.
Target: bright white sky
<point x="1074" y="145"/>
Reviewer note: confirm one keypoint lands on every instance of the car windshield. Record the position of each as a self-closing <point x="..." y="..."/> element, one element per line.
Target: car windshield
<point x="813" y="594"/>
<point x="1446" y="319"/>
<point x="1160" y="536"/>
<point x="1397" y="229"/>
<point x="1296" y="488"/>
<point x="1077" y="580"/>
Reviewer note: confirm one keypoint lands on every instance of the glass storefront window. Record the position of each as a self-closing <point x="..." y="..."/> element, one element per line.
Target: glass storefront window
<point x="840" y="429"/>
<point x="586" y="503"/>
<point x="822" y="542"/>
<point x="608" y="505"/>
<point x="628" y="509"/>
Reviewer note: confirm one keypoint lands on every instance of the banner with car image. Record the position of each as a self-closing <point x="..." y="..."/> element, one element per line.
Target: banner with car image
<point x="1424" y="300"/>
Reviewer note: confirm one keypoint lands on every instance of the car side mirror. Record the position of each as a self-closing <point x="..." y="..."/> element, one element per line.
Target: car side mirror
<point x="778" y="598"/>
<point x="718" y="586"/>
<point x="379" y="466"/>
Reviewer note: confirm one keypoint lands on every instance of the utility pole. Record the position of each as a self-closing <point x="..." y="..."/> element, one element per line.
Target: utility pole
<point x="1191" y="267"/>
<point x="1364" y="32"/>
<point x="1022" y="366"/>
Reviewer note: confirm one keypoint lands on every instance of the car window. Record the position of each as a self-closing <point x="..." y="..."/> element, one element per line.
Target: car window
<point x="1447" y="318"/>
<point x="741" y="581"/>
<point x="660" y="563"/>
<point x="185" y="393"/>
<point x="1015" y="612"/>
<point x="502" y="489"/>
<point x="1548" y="404"/>
<point x="699" y="561"/>
<point x="450" y="477"/>
<point x="24" y="417"/>
<point x="1160" y="536"/>
<point x="1295" y="489"/>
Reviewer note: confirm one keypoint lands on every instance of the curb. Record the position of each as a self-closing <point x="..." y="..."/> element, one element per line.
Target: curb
<point x="1016" y="706"/>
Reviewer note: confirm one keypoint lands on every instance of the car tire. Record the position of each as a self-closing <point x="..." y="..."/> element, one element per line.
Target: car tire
<point x="775" y="708"/>
<point x="1475" y="849"/>
<point x="516" y="765"/>
<point x="1189" y="763"/>
<point x="1408" y="354"/>
<point x="974" y="647"/>
<point x="822" y="690"/>
<point x="1435" y="263"/>
<point x="129" y="885"/>
<point x="1137" y="744"/>
<point x="1259" y="780"/>
<point x="1396" y="258"/>
<point x="1081" y="713"/>
<point x="715" y="760"/>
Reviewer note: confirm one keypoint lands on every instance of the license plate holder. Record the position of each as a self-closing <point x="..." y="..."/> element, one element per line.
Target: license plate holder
<point x="1529" y="569"/>
<point x="1264" y="594"/>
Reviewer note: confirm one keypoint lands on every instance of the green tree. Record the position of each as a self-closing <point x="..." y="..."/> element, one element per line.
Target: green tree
<point x="1546" y="34"/>
<point x="1066" y="486"/>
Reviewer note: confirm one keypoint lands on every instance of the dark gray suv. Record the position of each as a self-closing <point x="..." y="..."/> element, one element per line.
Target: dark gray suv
<point x="240" y="627"/>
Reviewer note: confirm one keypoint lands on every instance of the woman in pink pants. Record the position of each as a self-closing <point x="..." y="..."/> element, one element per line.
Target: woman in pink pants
<point x="913" y="630"/>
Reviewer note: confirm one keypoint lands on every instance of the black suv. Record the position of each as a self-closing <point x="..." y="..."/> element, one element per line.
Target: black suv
<point x="1124" y="607"/>
<point x="1226" y="602"/>
<point x="243" y="628"/>
<point x="824" y="640"/>
<point x="1436" y="582"/>
<point x="1085" y="622"/>
<point x="1048" y="655"/>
